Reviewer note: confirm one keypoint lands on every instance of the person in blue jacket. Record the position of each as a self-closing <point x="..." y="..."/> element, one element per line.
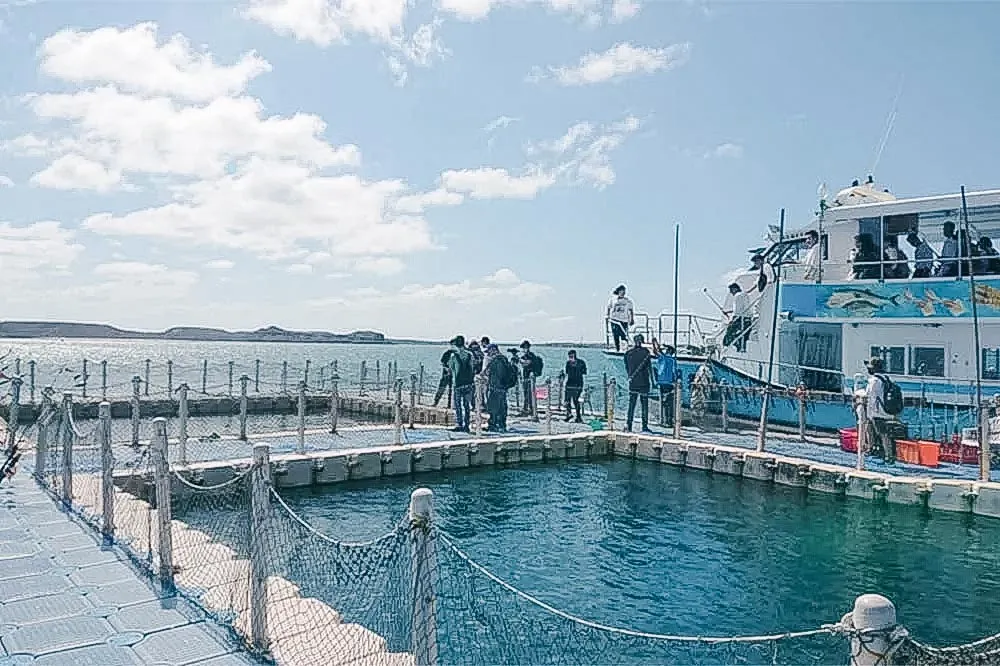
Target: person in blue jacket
<point x="665" y="370"/>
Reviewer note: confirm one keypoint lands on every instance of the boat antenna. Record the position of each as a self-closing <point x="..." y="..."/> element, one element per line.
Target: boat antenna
<point x="984" y="440"/>
<point x="890" y="122"/>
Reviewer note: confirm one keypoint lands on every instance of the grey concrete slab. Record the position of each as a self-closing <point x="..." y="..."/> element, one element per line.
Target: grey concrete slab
<point x="89" y="557"/>
<point x="234" y="659"/>
<point x="11" y="549"/>
<point x="58" y="635"/>
<point x="124" y="593"/>
<point x="33" y="586"/>
<point x="151" y="616"/>
<point x="95" y="655"/>
<point x="103" y="574"/>
<point x="27" y="566"/>
<point x="190" y="644"/>
<point x="43" y="609"/>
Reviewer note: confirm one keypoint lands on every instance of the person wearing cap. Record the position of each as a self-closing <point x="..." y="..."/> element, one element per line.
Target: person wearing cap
<point x="460" y="365"/>
<point x="574" y="372"/>
<point x="531" y="369"/>
<point x="638" y="365"/>
<point x="878" y="418"/>
<point x="495" y="376"/>
<point x="665" y="368"/>
<point x="621" y="315"/>
<point x="738" y="311"/>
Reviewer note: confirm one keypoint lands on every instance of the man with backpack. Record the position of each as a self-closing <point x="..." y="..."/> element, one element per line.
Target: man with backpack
<point x="531" y="369"/>
<point x="499" y="377"/>
<point x="460" y="365"/>
<point x="885" y="403"/>
<point x="576" y="368"/>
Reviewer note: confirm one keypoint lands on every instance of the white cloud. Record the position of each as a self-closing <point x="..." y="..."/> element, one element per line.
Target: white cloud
<point x="6" y="182"/>
<point x="383" y="266"/>
<point x="220" y="265"/>
<point x="726" y="150"/>
<point x="134" y="59"/>
<point x="619" y="61"/>
<point x="493" y="183"/>
<point x="499" y="123"/>
<point x="29" y="253"/>
<point x="300" y="269"/>
<point x="503" y="277"/>
<point x="136" y="282"/>
<point x="127" y="133"/>
<point x="477" y="10"/>
<point x="622" y="10"/>
<point x="418" y="203"/>
<point x="583" y="153"/>
<point x="75" y="172"/>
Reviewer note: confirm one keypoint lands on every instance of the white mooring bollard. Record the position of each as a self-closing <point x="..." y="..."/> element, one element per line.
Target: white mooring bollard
<point x="260" y="501"/>
<point x="423" y="565"/>
<point x="107" y="473"/>
<point x="861" y="409"/>
<point x="161" y="478"/>
<point x="875" y="617"/>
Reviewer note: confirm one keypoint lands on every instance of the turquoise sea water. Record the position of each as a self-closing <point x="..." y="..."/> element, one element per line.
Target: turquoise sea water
<point x="660" y="549"/>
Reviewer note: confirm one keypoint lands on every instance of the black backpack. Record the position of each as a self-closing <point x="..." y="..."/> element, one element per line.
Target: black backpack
<point x="509" y="374"/>
<point x="464" y="376"/>
<point x="892" y="396"/>
<point x="537" y="365"/>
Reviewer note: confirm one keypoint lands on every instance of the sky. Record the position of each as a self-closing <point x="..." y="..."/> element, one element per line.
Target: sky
<point x="428" y="167"/>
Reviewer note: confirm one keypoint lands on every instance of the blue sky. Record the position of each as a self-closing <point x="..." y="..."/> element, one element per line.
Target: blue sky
<point x="485" y="166"/>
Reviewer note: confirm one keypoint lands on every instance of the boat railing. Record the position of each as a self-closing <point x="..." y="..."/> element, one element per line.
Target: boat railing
<point x="641" y="325"/>
<point x="846" y="270"/>
<point x="694" y="332"/>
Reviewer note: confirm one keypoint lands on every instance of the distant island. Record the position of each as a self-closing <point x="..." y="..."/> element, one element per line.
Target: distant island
<point x="62" y="329"/>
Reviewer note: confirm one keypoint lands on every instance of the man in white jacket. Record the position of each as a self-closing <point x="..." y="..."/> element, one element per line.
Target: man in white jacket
<point x="878" y="418"/>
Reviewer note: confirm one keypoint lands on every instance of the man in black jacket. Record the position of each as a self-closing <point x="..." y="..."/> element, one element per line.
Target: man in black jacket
<point x="531" y="369"/>
<point x="639" y="367"/>
<point x="445" y="382"/>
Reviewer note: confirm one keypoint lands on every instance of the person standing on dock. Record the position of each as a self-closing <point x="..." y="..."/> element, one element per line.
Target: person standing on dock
<point x="445" y="381"/>
<point x="665" y="367"/>
<point x="878" y="417"/>
<point x="575" y="369"/>
<point x="497" y="374"/>
<point x="463" y="378"/>
<point x="531" y="369"/>
<point x="621" y="315"/>
<point x="639" y="367"/>
<point x="478" y="357"/>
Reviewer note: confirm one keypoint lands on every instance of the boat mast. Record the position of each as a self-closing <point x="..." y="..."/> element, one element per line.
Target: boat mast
<point x="762" y="435"/>
<point x="984" y="444"/>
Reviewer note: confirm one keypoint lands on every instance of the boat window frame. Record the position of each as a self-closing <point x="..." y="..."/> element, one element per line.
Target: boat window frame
<point x="884" y="352"/>
<point x="910" y="359"/>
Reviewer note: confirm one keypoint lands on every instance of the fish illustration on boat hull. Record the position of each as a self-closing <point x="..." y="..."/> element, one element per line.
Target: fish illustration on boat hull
<point x="954" y="306"/>
<point x="860" y="302"/>
<point x="925" y="305"/>
<point x="988" y="296"/>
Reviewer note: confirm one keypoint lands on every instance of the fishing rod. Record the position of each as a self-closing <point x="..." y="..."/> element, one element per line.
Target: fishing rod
<point x="714" y="302"/>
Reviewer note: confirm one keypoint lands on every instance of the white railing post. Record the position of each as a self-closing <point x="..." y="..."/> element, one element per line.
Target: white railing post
<point x="423" y="565"/>
<point x="284" y="377"/>
<point x="390" y="381"/>
<point x="610" y="391"/>
<point x="477" y="405"/>
<point x="204" y="377"/>
<point x="14" y="417"/>
<point x="984" y="442"/>
<point x="182" y="423"/>
<point x="244" y="406"/>
<point x="161" y="477"/>
<point x="873" y="621"/>
<point x="534" y="398"/>
<point x="107" y="473"/>
<point x="397" y="413"/>
<point x="135" y="409"/>
<point x="230" y="385"/>
<point x="548" y="406"/>
<point x="334" y="403"/>
<point x="256" y="376"/>
<point x="363" y="377"/>
<point x="67" y="452"/>
<point x="413" y="400"/>
<point x="260" y="500"/>
<point x="42" y="448"/>
<point x="146" y="383"/>
<point x="322" y="377"/>
<point x="420" y="385"/>
<point x="677" y="397"/>
<point x="170" y="379"/>
<point x="84" y="378"/>
<point x="378" y="374"/>
<point x="31" y="382"/>
<point x="801" y="391"/>
<point x="725" y="406"/>
<point x="604" y="387"/>
<point x="302" y="417"/>
<point x="305" y="375"/>
<point x="861" y="408"/>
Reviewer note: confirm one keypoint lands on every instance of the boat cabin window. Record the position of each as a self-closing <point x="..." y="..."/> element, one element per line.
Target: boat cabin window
<point x="991" y="363"/>
<point x="927" y="361"/>
<point x="894" y="359"/>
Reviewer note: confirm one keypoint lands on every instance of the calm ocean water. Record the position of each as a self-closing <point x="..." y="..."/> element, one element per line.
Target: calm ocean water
<point x="655" y="548"/>
<point x="60" y="362"/>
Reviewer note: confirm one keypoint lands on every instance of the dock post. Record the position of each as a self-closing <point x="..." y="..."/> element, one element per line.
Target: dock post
<point x="561" y="395"/>
<point x="284" y="377"/>
<point x="423" y="565"/>
<point x="104" y="380"/>
<point x="677" y="397"/>
<point x="534" y="398"/>
<point x="801" y="393"/>
<point x="204" y="377"/>
<point x="984" y="442"/>
<point x="861" y="408"/>
<point x="302" y="417"/>
<point x="146" y="384"/>
<point x="14" y="416"/>
<point x="260" y="501"/>
<point x="548" y="406"/>
<point x="420" y="385"/>
<point x="305" y="375"/>
<point x="182" y="422"/>
<point x="477" y="405"/>
<point x="170" y="380"/>
<point x="17" y="366"/>
<point x="610" y="389"/>
<point x="725" y="406"/>
<point x="42" y="447"/>
<point x="335" y="367"/>
<point x="107" y="474"/>
<point x="322" y="377"/>
<point x="31" y="382"/>
<point x="762" y="427"/>
<point x="873" y="620"/>
<point x="413" y="400"/>
<point x="378" y="374"/>
<point x="161" y="475"/>
<point x="334" y="403"/>
<point x="397" y="414"/>
<point x="135" y="409"/>
<point x="604" y="386"/>
<point x="84" y="376"/>
<point x="364" y="376"/>
<point x="230" y="391"/>
<point x="390" y="379"/>
<point x="67" y="452"/>
<point x="256" y="376"/>
<point x="244" y="380"/>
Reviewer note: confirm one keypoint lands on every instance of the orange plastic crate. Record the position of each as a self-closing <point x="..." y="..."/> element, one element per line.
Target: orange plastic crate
<point x="928" y="452"/>
<point x="908" y="451"/>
